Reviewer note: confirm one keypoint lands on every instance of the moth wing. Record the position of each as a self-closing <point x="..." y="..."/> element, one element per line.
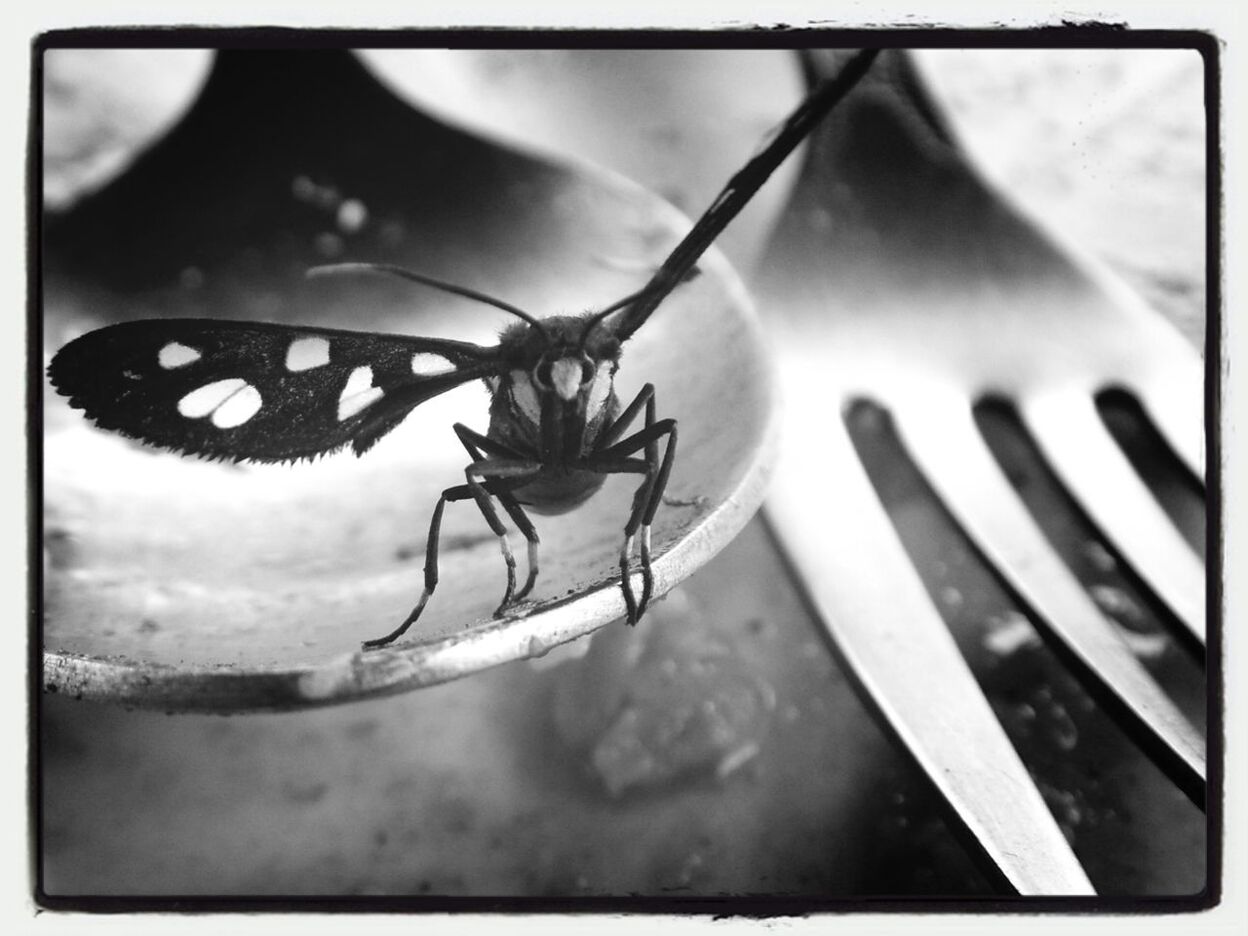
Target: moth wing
<point x="256" y="391"/>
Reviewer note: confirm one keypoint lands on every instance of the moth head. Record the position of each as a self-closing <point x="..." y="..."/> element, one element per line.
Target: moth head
<point x="555" y="363"/>
<point x="565" y="375"/>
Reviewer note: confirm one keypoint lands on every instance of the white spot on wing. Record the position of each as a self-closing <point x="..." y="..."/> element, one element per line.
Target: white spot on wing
<point x="307" y="353"/>
<point x="207" y="399"/>
<point x="175" y="354"/>
<point x="239" y="408"/>
<point x="358" y="393"/>
<point x="427" y="364"/>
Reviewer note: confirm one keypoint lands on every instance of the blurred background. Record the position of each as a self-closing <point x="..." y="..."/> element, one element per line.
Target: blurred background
<point x="537" y="780"/>
<point x="1122" y="173"/>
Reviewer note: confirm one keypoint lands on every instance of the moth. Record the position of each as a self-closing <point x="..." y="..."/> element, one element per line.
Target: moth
<point x="252" y="391"/>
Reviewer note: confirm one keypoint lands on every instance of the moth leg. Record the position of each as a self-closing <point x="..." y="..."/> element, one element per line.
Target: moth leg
<point x="477" y="445"/>
<point x="461" y="492"/>
<point x="476" y="474"/>
<point x="475" y="490"/>
<point x="646" y="500"/>
<point x="621" y="465"/>
<point x="610" y="434"/>
<point x="528" y="531"/>
<point x="607" y="438"/>
<point x="653" y="500"/>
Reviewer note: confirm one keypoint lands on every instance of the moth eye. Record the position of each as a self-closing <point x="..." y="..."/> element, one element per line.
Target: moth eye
<point x="542" y="374"/>
<point x="358" y="393"/>
<point x="175" y="354"/>
<point x="230" y="402"/>
<point x="307" y="353"/>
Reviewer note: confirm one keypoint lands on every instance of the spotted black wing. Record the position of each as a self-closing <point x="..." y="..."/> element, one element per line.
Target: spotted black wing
<point x="256" y="391"/>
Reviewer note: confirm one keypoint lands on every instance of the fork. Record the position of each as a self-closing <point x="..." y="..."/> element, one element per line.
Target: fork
<point x="906" y="281"/>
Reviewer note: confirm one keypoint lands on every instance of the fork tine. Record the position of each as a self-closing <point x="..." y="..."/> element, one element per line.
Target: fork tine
<point x="940" y="433"/>
<point x="1072" y="437"/>
<point x="870" y="599"/>
<point x="1171" y="408"/>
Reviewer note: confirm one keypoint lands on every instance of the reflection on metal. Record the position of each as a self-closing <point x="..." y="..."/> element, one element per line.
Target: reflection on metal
<point x="899" y="276"/>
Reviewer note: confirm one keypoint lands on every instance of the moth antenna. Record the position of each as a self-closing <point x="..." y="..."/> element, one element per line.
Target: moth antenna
<point x="595" y="320"/>
<point x="334" y="269"/>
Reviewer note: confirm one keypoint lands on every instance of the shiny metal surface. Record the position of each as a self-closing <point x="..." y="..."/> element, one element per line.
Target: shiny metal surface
<point x="905" y="280"/>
